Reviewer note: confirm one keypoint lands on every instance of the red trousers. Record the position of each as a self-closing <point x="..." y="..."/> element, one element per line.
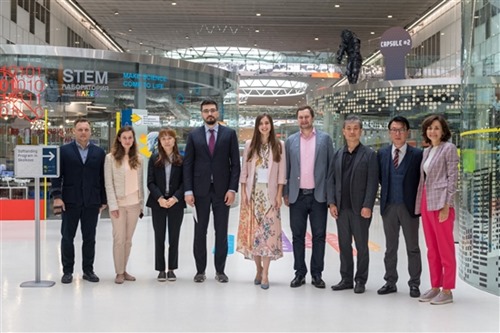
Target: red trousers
<point x="440" y="246"/>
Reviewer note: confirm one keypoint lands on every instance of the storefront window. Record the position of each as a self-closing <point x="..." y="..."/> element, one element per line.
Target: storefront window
<point x="44" y="89"/>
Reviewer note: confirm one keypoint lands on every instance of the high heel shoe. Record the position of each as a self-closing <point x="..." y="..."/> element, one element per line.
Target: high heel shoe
<point x="257" y="282"/>
<point x="265" y="286"/>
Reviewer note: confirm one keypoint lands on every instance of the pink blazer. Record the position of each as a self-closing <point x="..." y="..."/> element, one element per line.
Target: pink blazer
<point x="441" y="181"/>
<point x="277" y="172"/>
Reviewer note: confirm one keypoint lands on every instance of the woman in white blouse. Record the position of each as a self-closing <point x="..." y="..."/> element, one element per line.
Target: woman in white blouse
<point x="125" y="194"/>
<point x="435" y="201"/>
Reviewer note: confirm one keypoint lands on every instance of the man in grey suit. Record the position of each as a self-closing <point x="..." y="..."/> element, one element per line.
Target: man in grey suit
<point x="308" y="191"/>
<point x="356" y="184"/>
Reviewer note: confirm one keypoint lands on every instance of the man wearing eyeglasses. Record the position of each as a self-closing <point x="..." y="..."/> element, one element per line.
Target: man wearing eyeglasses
<point x="399" y="174"/>
<point x="211" y="177"/>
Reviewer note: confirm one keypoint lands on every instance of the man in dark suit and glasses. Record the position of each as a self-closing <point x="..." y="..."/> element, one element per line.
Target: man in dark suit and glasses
<point x="79" y="195"/>
<point x="211" y="176"/>
<point x="356" y="185"/>
<point x="399" y="174"/>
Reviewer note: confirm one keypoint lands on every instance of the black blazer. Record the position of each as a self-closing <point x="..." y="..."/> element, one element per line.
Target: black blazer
<point x="80" y="184"/>
<point x="157" y="183"/>
<point x="364" y="178"/>
<point x="413" y="157"/>
<point x="200" y="166"/>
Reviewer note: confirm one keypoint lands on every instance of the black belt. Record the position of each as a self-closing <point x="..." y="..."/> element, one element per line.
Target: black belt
<point x="306" y="191"/>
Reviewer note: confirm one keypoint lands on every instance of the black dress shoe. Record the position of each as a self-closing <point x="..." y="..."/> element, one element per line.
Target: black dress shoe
<point x="221" y="277"/>
<point x="90" y="276"/>
<point x="414" y="291"/>
<point x="342" y="285"/>
<point x="359" y="288"/>
<point x="387" y="289"/>
<point x="199" y="277"/>
<point x="298" y="281"/>
<point x="318" y="282"/>
<point x="67" y="278"/>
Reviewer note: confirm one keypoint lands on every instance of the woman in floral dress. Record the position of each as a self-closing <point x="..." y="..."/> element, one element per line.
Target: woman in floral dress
<point x="262" y="179"/>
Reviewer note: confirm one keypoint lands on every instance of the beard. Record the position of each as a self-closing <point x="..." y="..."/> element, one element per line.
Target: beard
<point x="210" y="121"/>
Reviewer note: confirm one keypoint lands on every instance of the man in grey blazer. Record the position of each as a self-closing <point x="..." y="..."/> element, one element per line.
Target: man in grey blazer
<point x="308" y="192"/>
<point x="356" y="184"/>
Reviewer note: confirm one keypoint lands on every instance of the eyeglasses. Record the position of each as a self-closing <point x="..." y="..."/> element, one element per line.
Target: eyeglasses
<point x="206" y="111"/>
<point x="398" y="130"/>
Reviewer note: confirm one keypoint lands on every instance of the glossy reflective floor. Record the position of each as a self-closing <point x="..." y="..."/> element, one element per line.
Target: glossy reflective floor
<point x="150" y="306"/>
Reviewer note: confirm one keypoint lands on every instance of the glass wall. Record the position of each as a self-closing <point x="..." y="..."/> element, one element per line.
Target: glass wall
<point x="480" y="159"/>
<point x="377" y="102"/>
<point x="46" y="88"/>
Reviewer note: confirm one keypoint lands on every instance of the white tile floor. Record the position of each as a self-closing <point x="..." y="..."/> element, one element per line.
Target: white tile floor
<point x="147" y="305"/>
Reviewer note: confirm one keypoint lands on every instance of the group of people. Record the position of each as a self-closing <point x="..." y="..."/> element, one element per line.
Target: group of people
<point x="304" y="173"/>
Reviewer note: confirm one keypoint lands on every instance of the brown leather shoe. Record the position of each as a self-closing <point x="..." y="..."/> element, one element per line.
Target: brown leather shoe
<point x="120" y="278"/>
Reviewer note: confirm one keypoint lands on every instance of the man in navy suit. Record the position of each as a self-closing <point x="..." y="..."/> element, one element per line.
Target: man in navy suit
<point x="399" y="174"/>
<point x="79" y="195"/>
<point x="211" y="176"/>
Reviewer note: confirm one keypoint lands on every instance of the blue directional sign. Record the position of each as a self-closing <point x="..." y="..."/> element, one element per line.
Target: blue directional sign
<point x="49" y="162"/>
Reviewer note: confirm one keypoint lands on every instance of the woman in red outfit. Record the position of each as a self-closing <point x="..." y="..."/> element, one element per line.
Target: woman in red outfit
<point x="435" y="200"/>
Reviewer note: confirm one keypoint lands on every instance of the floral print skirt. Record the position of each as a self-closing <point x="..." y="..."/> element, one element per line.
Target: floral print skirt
<point x="259" y="231"/>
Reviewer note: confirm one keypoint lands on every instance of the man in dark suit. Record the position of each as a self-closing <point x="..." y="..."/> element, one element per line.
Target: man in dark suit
<point x="79" y="195"/>
<point x="399" y="174"/>
<point x="308" y="191"/>
<point x="356" y="185"/>
<point x="211" y="176"/>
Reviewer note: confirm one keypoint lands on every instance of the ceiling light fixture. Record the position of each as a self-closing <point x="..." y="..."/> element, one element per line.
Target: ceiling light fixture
<point x="389" y="16"/>
<point x="117" y="13"/>
<point x="257" y="14"/>
<point x="316" y="38"/>
<point x="257" y="30"/>
<point x="130" y="30"/>
<point x="79" y="14"/>
<point x="337" y="6"/>
<point x="174" y="3"/>
<point x="372" y="33"/>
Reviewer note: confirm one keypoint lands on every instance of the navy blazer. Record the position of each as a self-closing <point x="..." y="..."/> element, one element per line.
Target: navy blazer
<point x="200" y="166"/>
<point x="157" y="184"/>
<point x="80" y="184"/>
<point x="411" y="178"/>
<point x="364" y="179"/>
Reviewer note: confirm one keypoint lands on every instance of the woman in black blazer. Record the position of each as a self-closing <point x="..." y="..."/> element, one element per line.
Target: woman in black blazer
<point x="166" y="200"/>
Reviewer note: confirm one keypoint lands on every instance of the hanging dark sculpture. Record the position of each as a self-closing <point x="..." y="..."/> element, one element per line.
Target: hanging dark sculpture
<point x="350" y="45"/>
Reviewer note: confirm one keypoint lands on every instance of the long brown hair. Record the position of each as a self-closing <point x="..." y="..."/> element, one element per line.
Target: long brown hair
<point x="118" y="151"/>
<point x="163" y="157"/>
<point x="256" y="142"/>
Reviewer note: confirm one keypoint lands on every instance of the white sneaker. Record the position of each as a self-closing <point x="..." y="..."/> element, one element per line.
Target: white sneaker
<point x="442" y="298"/>
<point x="429" y="295"/>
